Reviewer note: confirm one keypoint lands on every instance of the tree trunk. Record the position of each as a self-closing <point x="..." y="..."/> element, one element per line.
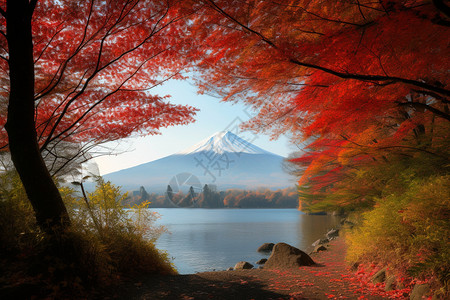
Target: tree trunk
<point x="51" y="214"/>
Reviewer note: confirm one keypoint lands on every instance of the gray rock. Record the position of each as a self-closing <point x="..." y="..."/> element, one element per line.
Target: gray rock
<point x="285" y="256"/>
<point x="332" y="234"/>
<point x="349" y="224"/>
<point x="419" y="291"/>
<point x="319" y="248"/>
<point x="230" y="269"/>
<point x="320" y="242"/>
<point x="266" y="247"/>
<point x="243" y="265"/>
<point x="261" y="261"/>
<point x="379" y="276"/>
<point x="390" y="283"/>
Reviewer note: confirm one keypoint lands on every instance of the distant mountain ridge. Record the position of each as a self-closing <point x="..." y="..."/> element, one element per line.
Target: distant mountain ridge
<point x="223" y="159"/>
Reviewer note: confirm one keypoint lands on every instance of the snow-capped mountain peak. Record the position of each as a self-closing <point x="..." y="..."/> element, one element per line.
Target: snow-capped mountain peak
<point x="211" y="162"/>
<point x="224" y="141"/>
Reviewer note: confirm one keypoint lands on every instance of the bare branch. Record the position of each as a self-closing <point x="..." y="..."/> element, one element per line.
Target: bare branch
<point x="427" y="107"/>
<point x="442" y="7"/>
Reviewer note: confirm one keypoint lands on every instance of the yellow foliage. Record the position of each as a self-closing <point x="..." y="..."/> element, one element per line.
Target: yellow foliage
<point x="127" y="236"/>
<point x="123" y="245"/>
<point x="17" y="223"/>
<point x="409" y="232"/>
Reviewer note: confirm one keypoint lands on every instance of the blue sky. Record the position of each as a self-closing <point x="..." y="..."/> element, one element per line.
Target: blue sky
<point x="213" y="116"/>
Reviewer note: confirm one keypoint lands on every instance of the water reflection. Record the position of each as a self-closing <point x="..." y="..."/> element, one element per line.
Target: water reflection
<point x="312" y="227"/>
<point x="215" y="239"/>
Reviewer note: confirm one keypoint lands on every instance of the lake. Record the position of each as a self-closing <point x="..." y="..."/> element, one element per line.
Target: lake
<point x="216" y="239"/>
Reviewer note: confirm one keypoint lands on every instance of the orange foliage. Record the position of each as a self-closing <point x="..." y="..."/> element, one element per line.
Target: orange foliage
<point x="355" y="80"/>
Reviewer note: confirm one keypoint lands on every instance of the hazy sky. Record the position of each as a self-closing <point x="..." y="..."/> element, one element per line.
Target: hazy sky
<point x="213" y="116"/>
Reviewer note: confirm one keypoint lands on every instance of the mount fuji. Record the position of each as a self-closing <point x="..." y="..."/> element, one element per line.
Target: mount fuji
<point x="223" y="160"/>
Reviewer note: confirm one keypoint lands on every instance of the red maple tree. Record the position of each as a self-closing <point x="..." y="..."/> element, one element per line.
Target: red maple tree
<point x="354" y="79"/>
<point x="81" y="73"/>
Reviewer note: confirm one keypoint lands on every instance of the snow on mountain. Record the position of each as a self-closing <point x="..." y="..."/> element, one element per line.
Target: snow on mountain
<point x="224" y="141"/>
<point x="223" y="159"/>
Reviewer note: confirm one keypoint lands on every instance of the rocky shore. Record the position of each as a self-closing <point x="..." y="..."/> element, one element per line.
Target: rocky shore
<point x="288" y="273"/>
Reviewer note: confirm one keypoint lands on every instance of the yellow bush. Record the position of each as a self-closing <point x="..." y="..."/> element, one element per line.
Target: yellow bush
<point x="126" y="236"/>
<point x="121" y="244"/>
<point x="408" y="231"/>
<point x="18" y="226"/>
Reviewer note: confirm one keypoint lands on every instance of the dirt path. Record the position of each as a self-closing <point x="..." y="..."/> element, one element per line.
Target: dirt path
<point x="330" y="279"/>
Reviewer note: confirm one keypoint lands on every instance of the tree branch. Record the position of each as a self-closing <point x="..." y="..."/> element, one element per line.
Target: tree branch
<point x="442" y="7"/>
<point x="362" y="77"/>
<point x="434" y="95"/>
<point x="428" y="107"/>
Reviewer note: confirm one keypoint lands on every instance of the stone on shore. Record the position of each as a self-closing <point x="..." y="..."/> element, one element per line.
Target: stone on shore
<point x="285" y="256"/>
<point x="379" y="276"/>
<point x="320" y="242"/>
<point x="390" y="283"/>
<point x="262" y="261"/>
<point x="266" y="247"/>
<point x="242" y="265"/>
<point x="332" y="234"/>
<point x="348" y="223"/>
<point x="419" y="291"/>
<point x="319" y="248"/>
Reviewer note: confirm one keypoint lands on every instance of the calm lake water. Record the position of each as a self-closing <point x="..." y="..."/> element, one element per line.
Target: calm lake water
<point x="216" y="239"/>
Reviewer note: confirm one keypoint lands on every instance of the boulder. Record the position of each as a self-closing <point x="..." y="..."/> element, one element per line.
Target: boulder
<point x="354" y="266"/>
<point x="243" y="265"/>
<point x="230" y="269"/>
<point x="319" y="248"/>
<point x="266" y="247"/>
<point x="379" y="276"/>
<point x="419" y="291"/>
<point x="285" y="256"/>
<point x="390" y="283"/>
<point x="261" y="261"/>
<point x="332" y="234"/>
<point x="320" y="242"/>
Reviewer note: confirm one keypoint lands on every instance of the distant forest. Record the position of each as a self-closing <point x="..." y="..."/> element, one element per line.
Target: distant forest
<point x="210" y="198"/>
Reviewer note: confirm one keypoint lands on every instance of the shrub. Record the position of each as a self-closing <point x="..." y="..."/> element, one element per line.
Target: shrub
<point x="19" y="231"/>
<point x="120" y="242"/>
<point x="127" y="236"/>
<point x="409" y="231"/>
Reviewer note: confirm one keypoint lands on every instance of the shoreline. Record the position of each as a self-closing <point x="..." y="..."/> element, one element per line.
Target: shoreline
<point x="331" y="278"/>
